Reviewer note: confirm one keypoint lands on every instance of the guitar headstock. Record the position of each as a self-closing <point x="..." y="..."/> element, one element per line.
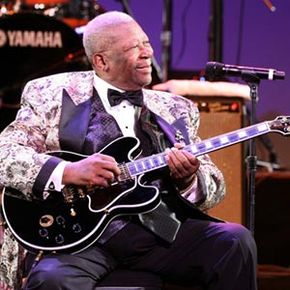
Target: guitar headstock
<point x="281" y="125"/>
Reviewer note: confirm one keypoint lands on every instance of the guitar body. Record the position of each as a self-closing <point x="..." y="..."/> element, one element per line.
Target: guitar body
<point x="56" y="224"/>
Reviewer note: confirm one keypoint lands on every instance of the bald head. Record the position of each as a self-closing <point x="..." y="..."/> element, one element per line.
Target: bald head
<point x="100" y="32"/>
<point x="119" y="50"/>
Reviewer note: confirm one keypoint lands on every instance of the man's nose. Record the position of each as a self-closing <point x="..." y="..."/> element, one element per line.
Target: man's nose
<point x="147" y="51"/>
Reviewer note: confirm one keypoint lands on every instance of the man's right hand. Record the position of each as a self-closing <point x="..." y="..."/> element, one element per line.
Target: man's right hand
<point x="95" y="170"/>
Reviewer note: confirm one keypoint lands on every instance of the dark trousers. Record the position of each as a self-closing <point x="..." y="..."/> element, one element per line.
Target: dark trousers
<point x="219" y="256"/>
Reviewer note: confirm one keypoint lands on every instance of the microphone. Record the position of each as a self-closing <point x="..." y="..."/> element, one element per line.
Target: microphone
<point x="216" y="69"/>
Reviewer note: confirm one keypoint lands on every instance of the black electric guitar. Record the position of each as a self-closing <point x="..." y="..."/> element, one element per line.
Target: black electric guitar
<point x="71" y="220"/>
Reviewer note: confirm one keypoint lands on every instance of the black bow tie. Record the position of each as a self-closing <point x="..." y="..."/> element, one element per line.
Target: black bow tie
<point x="134" y="97"/>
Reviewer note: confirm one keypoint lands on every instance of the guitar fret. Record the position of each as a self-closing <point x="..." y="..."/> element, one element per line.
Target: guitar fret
<point x="208" y="144"/>
<point x="139" y="166"/>
<point x="132" y="168"/>
<point x="224" y="140"/>
<point x="253" y="131"/>
<point x="158" y="160"/>
<point x="147" y="163"/>
<point x="233" y="137"/>
<point x="143" y="162"/>
<point x="216" y="142"/>
<point x="242" y="134"/>
<point x="161" y="160"/>
<point x="201" y="147"/>
<point x="194" y="149"/>
<point x="262" y="128"/>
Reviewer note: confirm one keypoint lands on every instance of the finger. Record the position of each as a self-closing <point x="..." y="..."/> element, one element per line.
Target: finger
<point x="179" y="145"/>
<point x="99" y="181"/>
<point x="191" y="158"/>
<point x="182" y="163"/>
<point x="107" y="162"/>
<point x="179" y="159"/>
<point x="174" y="163"/>
<point x="106" y="174"/>
<point x="186" y="158"/>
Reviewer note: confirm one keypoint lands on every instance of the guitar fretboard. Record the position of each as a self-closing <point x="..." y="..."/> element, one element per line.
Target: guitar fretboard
<point x="157" y="161"/>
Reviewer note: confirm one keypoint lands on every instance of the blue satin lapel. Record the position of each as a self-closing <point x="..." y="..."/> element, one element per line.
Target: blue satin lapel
<point x="74" y="122"/>
<point x="175" y="132"/>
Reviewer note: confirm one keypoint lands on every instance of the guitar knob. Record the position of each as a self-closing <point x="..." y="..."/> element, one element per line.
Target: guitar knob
<point x="77" y="228"/>
<point x="46" y="220"/>
<point x="59" y="239"/>
<point x="43" y="233"/>
<point x="60" y="220"/>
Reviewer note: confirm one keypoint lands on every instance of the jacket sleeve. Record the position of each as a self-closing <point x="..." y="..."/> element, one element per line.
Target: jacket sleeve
<point x="209" y="183"/>
<point x="24" y="163"/>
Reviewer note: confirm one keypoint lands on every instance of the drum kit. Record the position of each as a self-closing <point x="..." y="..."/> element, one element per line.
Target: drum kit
<point x="37" y="38"/>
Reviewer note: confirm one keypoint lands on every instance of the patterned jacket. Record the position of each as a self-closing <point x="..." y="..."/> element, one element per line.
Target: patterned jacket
<point x="40" y="126"/>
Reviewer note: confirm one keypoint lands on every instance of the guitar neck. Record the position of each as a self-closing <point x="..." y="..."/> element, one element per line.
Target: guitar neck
<point x="228" y="139"/>
<point x="157" y="161"/>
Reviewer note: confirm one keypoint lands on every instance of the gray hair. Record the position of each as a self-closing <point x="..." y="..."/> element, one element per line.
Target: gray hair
<point x="97" y="32"/>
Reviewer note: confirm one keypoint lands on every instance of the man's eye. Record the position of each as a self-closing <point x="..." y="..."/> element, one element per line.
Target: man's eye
<point x="147" y="43"/>
<point x="137" y="45"/>
<point x="132" y="47"/>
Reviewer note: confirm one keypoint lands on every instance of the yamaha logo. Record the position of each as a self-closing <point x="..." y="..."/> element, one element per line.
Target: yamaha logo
<point x="30" y="38"/>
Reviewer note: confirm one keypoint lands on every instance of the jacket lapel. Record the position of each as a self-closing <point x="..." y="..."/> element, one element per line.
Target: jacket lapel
<point x="175" y="132"/>
<point x="74" y="122"/>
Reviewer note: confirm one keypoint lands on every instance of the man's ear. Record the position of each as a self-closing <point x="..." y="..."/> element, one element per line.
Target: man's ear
<point x="100" y="62"/>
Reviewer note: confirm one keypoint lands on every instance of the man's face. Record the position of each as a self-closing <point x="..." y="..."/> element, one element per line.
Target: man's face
<point x="129" y="58"/>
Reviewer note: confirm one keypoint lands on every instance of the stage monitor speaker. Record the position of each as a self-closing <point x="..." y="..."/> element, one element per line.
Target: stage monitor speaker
<point x="222" y="115"/>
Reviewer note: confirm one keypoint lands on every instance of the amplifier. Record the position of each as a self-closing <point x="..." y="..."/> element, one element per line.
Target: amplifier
<point x="222" y="115"/>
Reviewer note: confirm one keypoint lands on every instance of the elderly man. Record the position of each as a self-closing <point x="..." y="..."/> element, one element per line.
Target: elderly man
<point x="97" y="113"/>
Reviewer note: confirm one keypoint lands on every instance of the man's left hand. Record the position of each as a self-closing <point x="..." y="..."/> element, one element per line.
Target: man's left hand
<point x="182" y="164"/>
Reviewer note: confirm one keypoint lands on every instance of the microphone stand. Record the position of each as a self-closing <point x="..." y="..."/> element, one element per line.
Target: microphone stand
<point x="253" y="82"/>
<point x="272" y="161"/>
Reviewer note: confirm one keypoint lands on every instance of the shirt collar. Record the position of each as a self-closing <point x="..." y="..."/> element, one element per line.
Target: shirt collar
<point x="102" y="88"/>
